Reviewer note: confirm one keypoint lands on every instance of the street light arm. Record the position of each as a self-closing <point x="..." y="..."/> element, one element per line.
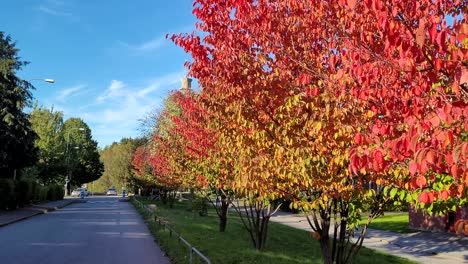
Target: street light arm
<point x="42" y="79"/>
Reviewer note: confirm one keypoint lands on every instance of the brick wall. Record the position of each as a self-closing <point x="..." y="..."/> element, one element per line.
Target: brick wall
<point x="421" y="220"/>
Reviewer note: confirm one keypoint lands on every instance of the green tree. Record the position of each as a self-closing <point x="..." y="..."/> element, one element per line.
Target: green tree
<point x="51" y="157"/>
<point x="16" y="135"/>
<point x="118" y="170"/>
<point x="82" y="156"/>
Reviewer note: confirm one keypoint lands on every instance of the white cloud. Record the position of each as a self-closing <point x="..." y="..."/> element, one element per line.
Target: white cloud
<point x="56" y="8"/>
<point x="170" y="79"/>
<point x="114" y="90"/>
<point x="116" y="85"/>
<point x="144" y="47"/>
<point x="69" y="92"/>
<point x="121" y="105"/>
<point x="151" y="44"/>
<point x="54" y="12"/>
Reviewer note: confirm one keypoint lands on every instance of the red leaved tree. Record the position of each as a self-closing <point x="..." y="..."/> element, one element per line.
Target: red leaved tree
<point x="200" y="142"/>
<point x="321" y="98"/>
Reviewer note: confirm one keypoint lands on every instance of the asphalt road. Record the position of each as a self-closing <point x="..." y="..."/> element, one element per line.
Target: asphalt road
<point x="102" y="230"/>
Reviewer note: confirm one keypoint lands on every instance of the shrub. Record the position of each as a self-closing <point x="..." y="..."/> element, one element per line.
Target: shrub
<point x="55" y="192"/>
<point x="200" y="206"/>
<point x="25" y="192"/>
<point x="7" y="193"/>
<point x="43" y="191"/>
<point x="35" y="191"/>
<point x="59" y="192"/>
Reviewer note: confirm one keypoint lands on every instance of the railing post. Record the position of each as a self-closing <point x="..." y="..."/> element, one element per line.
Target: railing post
<point x="191" y="254"/>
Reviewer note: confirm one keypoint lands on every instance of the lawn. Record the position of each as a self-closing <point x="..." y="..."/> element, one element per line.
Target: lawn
<point x="395" y="222"/>
<point x="284" y="244"/>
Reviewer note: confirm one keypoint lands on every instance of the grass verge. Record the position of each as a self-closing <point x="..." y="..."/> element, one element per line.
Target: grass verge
<point x="284" y="244"/>
<point x="394" y="222"/>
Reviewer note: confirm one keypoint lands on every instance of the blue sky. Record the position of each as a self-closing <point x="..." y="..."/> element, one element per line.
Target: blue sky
<point x="110" y="59"/>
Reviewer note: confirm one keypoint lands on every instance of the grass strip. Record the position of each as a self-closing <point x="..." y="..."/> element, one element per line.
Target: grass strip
<point x="284" y="244"/>
<point x="394" y="222"/>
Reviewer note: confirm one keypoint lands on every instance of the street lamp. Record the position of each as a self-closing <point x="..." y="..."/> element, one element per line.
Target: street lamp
<point x="42" y="79"/>
<point x="34" y="79"/>
<point x="69" y="176"/>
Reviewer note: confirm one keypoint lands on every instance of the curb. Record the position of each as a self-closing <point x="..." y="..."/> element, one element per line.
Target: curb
<point x="23" y="218"/>
<point x="39" y="210"/>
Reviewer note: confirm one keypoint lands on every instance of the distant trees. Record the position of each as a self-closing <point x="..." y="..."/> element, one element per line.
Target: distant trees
<point x="117" y="160"/>
<point x="16" y="135"/>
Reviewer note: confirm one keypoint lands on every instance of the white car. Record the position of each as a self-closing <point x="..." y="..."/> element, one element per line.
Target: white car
<point x="111" y="191"/>
<point x="77" y="192"/>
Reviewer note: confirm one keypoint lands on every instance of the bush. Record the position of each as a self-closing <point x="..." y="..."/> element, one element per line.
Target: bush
<point x="43" y="191"/>
<point x="59" y="192"/>
<point x="8" y="194"/>
<point x="55" y="192"/>
<point x="25" y="192"/>
<point x="199" y="206"/>
<point x="35" y="191"/>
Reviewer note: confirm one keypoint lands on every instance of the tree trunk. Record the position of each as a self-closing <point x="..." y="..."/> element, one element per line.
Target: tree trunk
<point x="262" y="232"/>
<point x="324" y="240"/>
<point x="190" y="201"/>
<point x="223" y="214"/>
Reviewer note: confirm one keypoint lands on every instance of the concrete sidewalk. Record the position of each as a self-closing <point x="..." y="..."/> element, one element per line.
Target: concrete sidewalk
<point x="423" y="247"/>
<point x="9" y="217"/>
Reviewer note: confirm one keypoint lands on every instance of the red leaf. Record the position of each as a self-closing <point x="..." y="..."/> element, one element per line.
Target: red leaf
<point x="444" y="194"/>
<point x="421" y="33"/>
<point x="454" y="171"/>
<point x="423" y="197"/>
<point x="352" y="3"/>
<point x="358" y="138"/>
<point x="413" y="167"/>
<point x="421" y="181"/>
<point x="460" y="190"/>
<point x="304" y="78"/>
<point x="433" y="31"/>
<point x="430" y="157"/>
<point x="378" y="157"/>
<point x="435" y="120"/>
<point x="438" y="64"/>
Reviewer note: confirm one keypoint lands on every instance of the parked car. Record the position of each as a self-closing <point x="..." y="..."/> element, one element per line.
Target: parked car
<point x="77" y="192"/>
<point x="111" y="191"/>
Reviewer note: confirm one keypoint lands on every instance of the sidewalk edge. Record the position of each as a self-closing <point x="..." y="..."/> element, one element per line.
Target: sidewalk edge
<point x="39" y="210"/>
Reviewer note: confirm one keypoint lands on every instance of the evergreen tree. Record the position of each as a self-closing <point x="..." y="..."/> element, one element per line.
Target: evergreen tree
<point x="17" y="137"/>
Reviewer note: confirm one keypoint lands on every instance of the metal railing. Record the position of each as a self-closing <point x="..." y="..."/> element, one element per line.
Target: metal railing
<point x="161" y="222"/>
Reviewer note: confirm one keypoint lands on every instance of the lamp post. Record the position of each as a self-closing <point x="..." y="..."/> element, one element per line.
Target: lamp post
<point x="42" y="79"/>
<point x="68" y="179"/>
<point x="48" y="80"/>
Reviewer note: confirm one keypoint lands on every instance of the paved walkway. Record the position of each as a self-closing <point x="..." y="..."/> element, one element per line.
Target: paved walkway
<point x="423" y="247"/>
<point x="9" y="217"/>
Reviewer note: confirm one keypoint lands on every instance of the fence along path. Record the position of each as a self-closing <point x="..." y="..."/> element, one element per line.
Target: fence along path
<point x="161" y="222"/>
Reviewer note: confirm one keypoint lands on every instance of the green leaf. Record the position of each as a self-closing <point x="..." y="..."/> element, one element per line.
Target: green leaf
<point x="402" y="195"/>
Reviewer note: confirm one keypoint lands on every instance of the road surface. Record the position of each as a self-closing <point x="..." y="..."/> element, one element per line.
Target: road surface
<point x="102" y="230"/>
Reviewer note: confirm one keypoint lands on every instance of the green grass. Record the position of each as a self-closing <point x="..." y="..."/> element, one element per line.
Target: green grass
<point x="284" y="244"/>
<point x="394" y="222"/>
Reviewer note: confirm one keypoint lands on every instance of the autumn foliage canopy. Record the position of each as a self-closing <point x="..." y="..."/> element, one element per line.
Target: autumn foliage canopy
<point x="378" y="87"/>
<point x="316" y="101"/>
